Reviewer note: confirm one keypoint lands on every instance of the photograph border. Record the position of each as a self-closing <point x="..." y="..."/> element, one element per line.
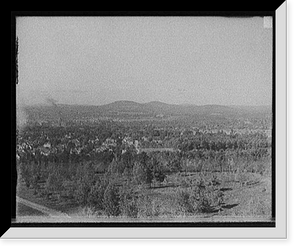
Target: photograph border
<point x="276" y="229"/>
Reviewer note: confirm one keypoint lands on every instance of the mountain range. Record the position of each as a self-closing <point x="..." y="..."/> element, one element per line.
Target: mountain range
<point x="161" y="107"/>
<point x="153" y="108"/>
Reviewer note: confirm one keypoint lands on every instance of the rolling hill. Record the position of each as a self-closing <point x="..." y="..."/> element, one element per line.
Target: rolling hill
<point x="150" y="109"/>
<point x="160" y="107"/>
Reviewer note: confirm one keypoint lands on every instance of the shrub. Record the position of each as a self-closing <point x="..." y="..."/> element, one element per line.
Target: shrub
<point x="148" y="206"/>
<point x="159" y="176"/>
<point x="140" y="174"/>
<point x="174" y="165"/>
<point x="96" y="194"/>
<point x="24" y="173"/>
<point x="87" y="211"/>
<point x="262" y="169"/>
<point x="81" y="192"/>
<point x="54" y="182"/>
<point x="127" y="173"/>
<point x="68" y="188"/>
<point x="30" y="173"/>
<point x="111" y="200"/>
<point x="145" y="206"/>
<point x="200" y="198"/>
<point x="148" y="169"/>
<point x="183" y="201"/>
<point x="129" y="201"/>
<point x="83" y="181"/>
<point x="156" y="207"/>
<point x="112" y="168"/>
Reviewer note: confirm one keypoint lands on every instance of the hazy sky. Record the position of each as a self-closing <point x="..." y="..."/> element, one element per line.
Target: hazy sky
<point x="98" y="60"/>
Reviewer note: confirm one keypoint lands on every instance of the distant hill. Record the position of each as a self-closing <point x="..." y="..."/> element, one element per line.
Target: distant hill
<point x="149" y="109"/>
<point x="158" y="104"/>
<point x="263" y="108"/>
<point x="157" y="107"/>
<point x="123" y="103"/>
<point x="120" y="106"/>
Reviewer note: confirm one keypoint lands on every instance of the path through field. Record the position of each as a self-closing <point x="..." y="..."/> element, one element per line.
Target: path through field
<point x="45" y="210"/>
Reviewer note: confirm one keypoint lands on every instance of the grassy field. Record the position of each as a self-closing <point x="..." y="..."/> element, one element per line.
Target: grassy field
<point x="245" y="196"/>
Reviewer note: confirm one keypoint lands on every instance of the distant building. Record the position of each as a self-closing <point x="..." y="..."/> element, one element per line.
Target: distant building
<point x="127" y="141"/>
<point x="76" y="142"/>
<point x="136" y="143"/>
<point x="47" y="145"/>
<point x="110" y="142"/>
<point x="145" y="139"/>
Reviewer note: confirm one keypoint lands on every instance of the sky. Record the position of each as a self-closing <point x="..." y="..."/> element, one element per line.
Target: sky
<point x="176" y="60"/>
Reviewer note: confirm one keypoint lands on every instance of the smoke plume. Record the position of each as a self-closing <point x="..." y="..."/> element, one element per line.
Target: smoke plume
<point x="21" y="117"/>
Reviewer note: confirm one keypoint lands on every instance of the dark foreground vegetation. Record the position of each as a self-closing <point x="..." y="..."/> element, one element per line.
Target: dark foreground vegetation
<point x="151" y="168"/>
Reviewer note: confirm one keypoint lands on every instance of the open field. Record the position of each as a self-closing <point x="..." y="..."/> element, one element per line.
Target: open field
<point x="244" y="199"/>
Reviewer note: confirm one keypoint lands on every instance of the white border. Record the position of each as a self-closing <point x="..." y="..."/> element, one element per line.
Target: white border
<point x="279" y="232"/>
<point x="281" y="120"/>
